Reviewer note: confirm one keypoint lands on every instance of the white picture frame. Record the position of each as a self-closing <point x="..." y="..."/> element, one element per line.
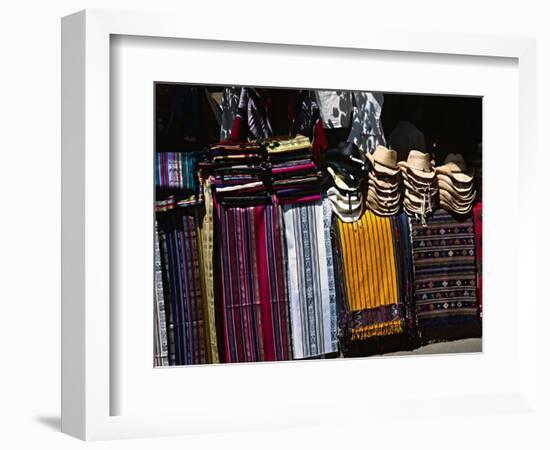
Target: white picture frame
<point x="88" y="327"/>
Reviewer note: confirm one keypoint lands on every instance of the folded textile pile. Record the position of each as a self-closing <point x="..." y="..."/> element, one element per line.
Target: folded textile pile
<point x="420" y="184"/>
<point x="238" y="173"/>
<point x="384" y="195"/>
<point x="456" y="185"/>
<point x="345" y="167"/>
<point x="294" y="174"/>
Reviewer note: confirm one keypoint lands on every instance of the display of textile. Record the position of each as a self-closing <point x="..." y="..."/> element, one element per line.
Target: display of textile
<point x="371" y="280"/>
<point x="253" y="284"/>
<point x="444" y="265"/>
<point x="180" y="250"/>
<point x="312" y="294"/>
<point x="285" y="229"/>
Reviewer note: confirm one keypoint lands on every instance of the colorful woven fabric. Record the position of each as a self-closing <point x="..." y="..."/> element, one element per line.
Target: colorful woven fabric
<point x="403" y="255"/>
<point x="478" y="229"/>
<point x="253" y="284"/>
<point x="207" y="270"/>
<point x="445" y="277"/>
<point x="312" y="293"/>
<point x="161" y="332"/>
<point x="370" y="270"/>
<point x="181" y="252"/>
<point x="177" y="171"/>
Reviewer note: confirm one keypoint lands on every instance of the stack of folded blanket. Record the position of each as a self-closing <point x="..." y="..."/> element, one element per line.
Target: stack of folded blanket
<point x="238" y="173"/>
<point x="294" y="174"/>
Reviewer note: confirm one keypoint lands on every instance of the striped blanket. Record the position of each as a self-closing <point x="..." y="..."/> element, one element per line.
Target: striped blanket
<point x="370" y="278"/>
<point x="253" y="283"/>
<point x="311" y="279"/>
<point x="180" y="251"/>
<point x="445" y="277"/>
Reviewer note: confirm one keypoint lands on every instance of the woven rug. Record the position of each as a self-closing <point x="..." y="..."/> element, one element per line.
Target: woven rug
<point x="445" y="277"/>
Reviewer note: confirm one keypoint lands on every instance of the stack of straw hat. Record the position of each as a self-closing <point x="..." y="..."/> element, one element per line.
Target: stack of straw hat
<point x="420" y="183"/>
<point x="383" y="195"/>
<point x="456" y="185"/>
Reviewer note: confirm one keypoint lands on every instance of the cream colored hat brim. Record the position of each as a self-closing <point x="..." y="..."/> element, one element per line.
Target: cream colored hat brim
<point x="380" y="210"/>
<point x="446" y="183"/>
<point x="415" y="178"/>
<point x="383" y="184"/>
<point x="457" y="198"/>
<point x="453" y="208"/>
<point x="387" y="196"/>
<point x="387" y="204"/>
<point x="462" y="177"/>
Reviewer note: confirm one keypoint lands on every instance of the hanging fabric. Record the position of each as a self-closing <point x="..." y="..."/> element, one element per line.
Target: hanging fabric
<point x="312" y="293"/>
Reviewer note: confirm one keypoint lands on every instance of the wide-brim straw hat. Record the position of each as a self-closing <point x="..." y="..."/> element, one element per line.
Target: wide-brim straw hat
<point x="386" y="196"/>
<point x="454" y="166"/>
<point x="411" y="186"/>
<point x="388" y="202"/>
<point x="459" y="202"/>
<point x="453" y="208"/>
<point x="383" y="160"/>
<point x="385" y="183"/>
<point x="458" y="186"/>
<point x="457" y="196"/>
<point x="419" y="164"/>
<point x="409" y="175"/>
<point x="382" y="191"/>
<point x="415" y="208"/>
<point x="380" y="209"/>
<point x="418" y="197"/>
<point x="447" y="183"/>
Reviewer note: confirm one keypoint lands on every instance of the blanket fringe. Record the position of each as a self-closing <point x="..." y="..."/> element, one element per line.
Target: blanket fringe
<point x="376" y="330"/>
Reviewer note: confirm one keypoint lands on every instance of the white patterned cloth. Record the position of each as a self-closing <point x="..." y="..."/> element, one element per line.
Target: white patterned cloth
<point x="312" y="294"/>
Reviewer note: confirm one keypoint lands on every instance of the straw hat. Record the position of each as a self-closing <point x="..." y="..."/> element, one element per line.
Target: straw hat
<point x="381" y="210"/>
<point x="457" y="201"/>
<point x="385" y="195"/>
<point x="418" y="164"/>
<point x="411" y="186"/>
<point x="455" y="167"/>
<point x="383" y="160"/>
<point x="454" y="208"/>
<point x="447" y="183"/>
<point x="383" y="201"/>
<point x="387" y="184"/>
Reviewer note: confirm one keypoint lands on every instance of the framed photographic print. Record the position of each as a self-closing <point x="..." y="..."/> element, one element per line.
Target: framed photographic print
<point x="264" y="230"/>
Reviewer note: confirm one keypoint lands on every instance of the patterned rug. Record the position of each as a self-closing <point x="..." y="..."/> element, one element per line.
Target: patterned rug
<point x="445" y="275"/>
